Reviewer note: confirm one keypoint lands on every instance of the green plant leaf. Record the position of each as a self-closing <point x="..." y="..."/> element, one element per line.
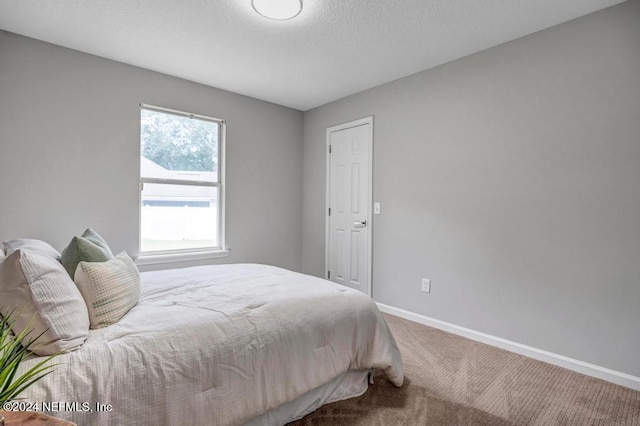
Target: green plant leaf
<point x="13" y="351"/>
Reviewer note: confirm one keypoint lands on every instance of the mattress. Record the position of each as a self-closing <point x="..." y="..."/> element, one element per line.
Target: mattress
<point x="224" y="344"/>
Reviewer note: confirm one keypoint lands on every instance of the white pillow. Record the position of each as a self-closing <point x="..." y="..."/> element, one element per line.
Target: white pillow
<point x="36" y="287"/>
<point x="9" y="338"/>
<point x="110" y="289"/>
<point x="29" y="244"/>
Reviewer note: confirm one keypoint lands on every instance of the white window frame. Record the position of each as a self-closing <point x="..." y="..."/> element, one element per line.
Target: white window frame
<point x="180" y="255"/>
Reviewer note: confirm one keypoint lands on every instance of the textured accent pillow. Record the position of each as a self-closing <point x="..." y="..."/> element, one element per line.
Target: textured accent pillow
<point x="29" y="244"/>
<point x="110" y="289"/>
<point x="36" y="287"/>
<point x="90" y="247"/>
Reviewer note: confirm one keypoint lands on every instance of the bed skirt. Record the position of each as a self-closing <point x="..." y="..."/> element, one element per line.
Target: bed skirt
<point x="349" y="384"/>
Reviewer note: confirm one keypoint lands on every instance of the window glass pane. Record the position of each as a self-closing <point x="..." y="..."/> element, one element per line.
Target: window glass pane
<point x="178" y="147"/>
<point x="179" y="217"/>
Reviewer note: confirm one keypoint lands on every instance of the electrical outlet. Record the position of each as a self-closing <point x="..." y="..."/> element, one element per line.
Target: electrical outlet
<point x="426" y="285"/>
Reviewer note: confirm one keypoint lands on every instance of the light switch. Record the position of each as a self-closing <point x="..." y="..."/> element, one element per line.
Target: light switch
<point x="376" y="208"/>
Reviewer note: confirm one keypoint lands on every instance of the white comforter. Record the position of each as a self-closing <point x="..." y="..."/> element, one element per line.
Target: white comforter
<point x="218" y="345"/>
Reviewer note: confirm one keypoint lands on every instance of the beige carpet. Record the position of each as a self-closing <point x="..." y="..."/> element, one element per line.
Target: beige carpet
<point x="450" y="380"/>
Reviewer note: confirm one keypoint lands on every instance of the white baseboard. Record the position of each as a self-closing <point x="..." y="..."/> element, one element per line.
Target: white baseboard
<point x="578" y="366"/>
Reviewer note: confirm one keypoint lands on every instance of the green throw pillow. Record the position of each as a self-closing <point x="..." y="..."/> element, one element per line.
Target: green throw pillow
<point x="90" y="247"/>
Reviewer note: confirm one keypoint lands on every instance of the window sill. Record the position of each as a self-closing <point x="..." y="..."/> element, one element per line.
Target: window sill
<point x="159" y="258"/>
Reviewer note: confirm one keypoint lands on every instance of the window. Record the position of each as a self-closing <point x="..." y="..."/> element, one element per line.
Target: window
<point x="181" y="182"/>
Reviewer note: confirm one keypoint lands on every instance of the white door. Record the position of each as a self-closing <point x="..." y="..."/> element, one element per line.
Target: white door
<point x="349" y="204"/>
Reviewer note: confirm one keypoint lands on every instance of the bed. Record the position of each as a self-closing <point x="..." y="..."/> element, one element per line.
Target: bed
<point x="224" y="345"/>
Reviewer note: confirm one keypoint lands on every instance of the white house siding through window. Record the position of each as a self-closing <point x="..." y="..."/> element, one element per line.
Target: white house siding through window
<point x="178" y="212"/>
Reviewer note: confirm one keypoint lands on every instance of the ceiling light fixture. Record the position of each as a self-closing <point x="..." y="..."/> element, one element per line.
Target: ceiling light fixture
<point x="280" y="10"/>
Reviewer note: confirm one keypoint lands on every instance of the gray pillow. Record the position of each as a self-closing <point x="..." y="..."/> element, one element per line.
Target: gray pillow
<point x="90" y="247"/>
<point x="29" y="244"/>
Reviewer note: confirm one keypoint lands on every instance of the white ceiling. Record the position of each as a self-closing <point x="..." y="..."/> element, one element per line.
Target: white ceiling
<point x="333" y="49"/>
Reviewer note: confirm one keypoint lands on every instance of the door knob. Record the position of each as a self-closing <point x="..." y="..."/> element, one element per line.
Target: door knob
<point x="360" y="224"/>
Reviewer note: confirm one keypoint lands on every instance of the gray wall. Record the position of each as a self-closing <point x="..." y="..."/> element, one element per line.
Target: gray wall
<point x="511" y="178"/>
<point x="69" y="152"/>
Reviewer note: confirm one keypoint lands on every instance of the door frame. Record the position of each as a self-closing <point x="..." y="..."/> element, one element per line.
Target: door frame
<point x="355" y="123"/>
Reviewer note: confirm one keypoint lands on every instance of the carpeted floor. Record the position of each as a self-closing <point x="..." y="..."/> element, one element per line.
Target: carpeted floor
<point x="451" y="380"/>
